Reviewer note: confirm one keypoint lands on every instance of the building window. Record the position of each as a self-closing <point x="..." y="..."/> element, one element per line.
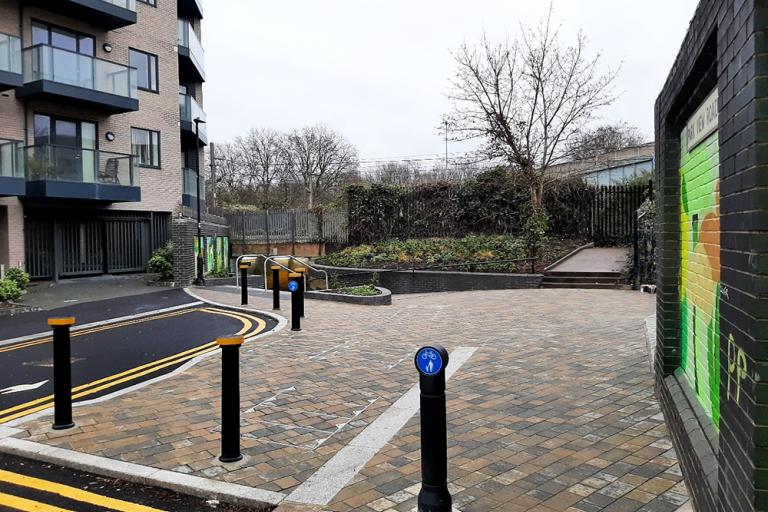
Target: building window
<point x="146" y="64"/>
<point x="153" y="3"/>
<point x="43" y="33"/>
<point x="146" y="147"/>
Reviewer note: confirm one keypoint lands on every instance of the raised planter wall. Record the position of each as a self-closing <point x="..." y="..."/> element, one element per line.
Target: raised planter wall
<point x="426" y="281"/>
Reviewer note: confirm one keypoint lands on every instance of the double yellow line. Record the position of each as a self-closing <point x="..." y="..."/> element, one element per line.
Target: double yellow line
<point x="100" y="385"/>
<point x="65" y="491"/>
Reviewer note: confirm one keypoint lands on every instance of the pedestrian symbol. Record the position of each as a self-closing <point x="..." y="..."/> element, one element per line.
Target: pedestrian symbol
<point x="293" y="286"/>
<point x="429" y="361"/>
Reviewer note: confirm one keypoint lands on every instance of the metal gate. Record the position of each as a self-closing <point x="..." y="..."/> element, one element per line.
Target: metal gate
<point x="71" y="244"/>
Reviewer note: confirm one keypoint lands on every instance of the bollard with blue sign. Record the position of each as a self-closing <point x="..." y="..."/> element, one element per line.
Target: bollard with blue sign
<point x="294" y="284"/>
<point x="434" y="496"/>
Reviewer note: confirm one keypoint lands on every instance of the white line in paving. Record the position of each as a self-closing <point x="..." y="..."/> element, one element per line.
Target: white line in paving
<point x="323" y="485"/>
<point x="103" y="322"/>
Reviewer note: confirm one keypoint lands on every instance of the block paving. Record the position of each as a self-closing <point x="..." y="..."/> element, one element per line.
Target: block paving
<point x="554" y="411"/>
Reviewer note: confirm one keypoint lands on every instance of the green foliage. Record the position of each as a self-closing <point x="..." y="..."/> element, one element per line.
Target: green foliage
<point x="9" y="291"/>
<point x="367" y="290"/>
<point x="534" y="231"/>
<point x="429" y="252"/>
<point x="222" y="272"/>
<point x="18" y="276"/>
<point x="161" y="262"/>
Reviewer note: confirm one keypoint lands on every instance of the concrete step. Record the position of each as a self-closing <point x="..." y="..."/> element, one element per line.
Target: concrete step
<point x="582" y="279"/>
<point x="614" y="275"/>
<point x="587" y="286"/>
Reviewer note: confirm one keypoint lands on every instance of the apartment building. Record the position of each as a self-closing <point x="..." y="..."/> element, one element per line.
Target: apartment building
<point x="98" y="147"/>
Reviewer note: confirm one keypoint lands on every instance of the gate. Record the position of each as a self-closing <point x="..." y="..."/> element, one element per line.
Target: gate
<point x="72" y="243"/>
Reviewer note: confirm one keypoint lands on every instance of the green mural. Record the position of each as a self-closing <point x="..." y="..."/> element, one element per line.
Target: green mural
<point x="215" y="253"/>
<point x="700" y="270"/>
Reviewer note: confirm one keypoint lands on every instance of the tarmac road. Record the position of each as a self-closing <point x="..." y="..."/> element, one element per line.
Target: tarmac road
<point x="112" y="357"/>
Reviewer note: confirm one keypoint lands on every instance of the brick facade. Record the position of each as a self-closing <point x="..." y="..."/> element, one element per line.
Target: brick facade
<point x="721" y="440"/>
<point x="155" y="32"/>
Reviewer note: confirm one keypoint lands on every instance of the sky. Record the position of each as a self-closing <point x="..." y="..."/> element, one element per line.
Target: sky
<point x="378" y="70"/>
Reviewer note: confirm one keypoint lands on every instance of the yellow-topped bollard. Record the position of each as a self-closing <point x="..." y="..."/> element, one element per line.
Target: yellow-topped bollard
<point x="230" y="397"/>
<point x="62" y="372"/>
<point x="275" y="287"/>
<point x="244" y="283"/>
<point x="68" y="321"/>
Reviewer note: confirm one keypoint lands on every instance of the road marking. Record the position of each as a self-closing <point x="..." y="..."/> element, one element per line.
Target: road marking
<point x="22" y="387"/>
<point x="326" y="482"/>
<point x="102" y="328"/>
<point x="109" y="321"/>
<point x="25" y="505"/>
<point x="97" y="386"/>
<point x="72" y="493"/>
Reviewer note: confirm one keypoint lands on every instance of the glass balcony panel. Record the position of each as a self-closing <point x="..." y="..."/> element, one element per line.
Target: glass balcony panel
<point x="190" y="184"/>
<point x="189" y="110"/>
<point x="10" y="54"/>
<point x="44" y="62"/>
<point x="11" y="159"/>
<point x="188" y="39"/>
<point x="125" y="4"/>
<point x="80" y="165"/>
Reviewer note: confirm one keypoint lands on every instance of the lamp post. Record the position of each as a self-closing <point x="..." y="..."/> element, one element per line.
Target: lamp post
<point x="200" y="280"/>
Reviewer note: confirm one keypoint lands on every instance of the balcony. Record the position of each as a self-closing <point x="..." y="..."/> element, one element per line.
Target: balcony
<point x="60" y="75"/>
<point x="189" y="110"/>
<point x="107" y="14"/>
<point x="62" y="172"/>
<point x="189" y="193"/>
<point x="11" y="168"/>
<point x="191" y="54"/>
<point x="190" y="9"/>
<point x="10" y="62"/>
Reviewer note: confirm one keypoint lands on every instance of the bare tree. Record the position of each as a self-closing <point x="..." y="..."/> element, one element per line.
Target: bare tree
<point x="528" y="99"/>
<point x="264" y="159"/>
<point x="604" y="139"/>
<point x="320" y="159"/>
<point x="229" y="171"/>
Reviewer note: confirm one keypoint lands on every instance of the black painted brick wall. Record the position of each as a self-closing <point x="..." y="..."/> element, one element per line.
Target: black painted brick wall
<point x="726" y="47"/>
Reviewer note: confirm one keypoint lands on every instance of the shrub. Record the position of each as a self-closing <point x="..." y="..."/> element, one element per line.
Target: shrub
<point x="161" y="262"/>
<point x="9" y="291"/>
<point x="18" y="276"/>
<point x="222" y="272"/>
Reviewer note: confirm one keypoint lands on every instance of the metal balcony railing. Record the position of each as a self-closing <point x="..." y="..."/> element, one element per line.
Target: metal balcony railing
<point x="10" y="54"/>
<point x="188" y="39"/>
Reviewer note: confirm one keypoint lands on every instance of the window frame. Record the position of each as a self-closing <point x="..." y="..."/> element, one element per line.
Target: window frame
<point x="50" y="27"/>
<point x="158" y="165"/>
<point x="149" y="57"/>
<point x="151" y="3"/>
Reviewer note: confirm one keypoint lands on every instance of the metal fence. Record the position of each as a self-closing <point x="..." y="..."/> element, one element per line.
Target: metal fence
<point x="289" y="226"/>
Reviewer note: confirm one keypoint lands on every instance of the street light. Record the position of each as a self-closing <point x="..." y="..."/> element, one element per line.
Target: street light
<point x="200" y="280"/>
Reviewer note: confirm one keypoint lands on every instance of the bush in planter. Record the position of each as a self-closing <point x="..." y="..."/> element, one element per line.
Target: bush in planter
<point x="18" y="276"/>
<point x="9" y="291"/>
<point x="161" y="262"/>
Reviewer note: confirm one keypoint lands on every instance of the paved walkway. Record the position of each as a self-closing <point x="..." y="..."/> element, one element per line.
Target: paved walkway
<point x="596" y="259"/>
<point x="550" y="407"/>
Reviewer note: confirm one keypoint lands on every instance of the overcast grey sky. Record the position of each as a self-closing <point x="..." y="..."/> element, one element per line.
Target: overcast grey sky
<point x="378" y="70"/>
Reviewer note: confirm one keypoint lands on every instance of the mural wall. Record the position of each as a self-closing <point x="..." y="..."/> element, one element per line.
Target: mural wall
<point x="215" y="253"/>
<point x="700" y="267"/>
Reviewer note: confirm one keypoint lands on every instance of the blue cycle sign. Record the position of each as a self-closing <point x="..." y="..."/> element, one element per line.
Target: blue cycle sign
<point x="293" y="286"/>
<point x="429" y="361"/>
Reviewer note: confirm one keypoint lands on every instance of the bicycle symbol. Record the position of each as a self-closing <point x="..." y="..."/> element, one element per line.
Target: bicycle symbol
<point x="429" y="354"/>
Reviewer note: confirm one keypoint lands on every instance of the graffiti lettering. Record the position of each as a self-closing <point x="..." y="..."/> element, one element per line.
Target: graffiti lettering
<point x="724" y="293"/>
<point x="737" y="368"/>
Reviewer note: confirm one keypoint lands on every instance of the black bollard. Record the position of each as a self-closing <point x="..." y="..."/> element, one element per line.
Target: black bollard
<point x="294" y="285"/>
<point x="434" y="495"/>
<point x="62" y="373"/>
<point x="230" y="398"/>
<point x="276" y="288"/>
<point x="302" y="288"/>
<point x="244" y="283"/>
